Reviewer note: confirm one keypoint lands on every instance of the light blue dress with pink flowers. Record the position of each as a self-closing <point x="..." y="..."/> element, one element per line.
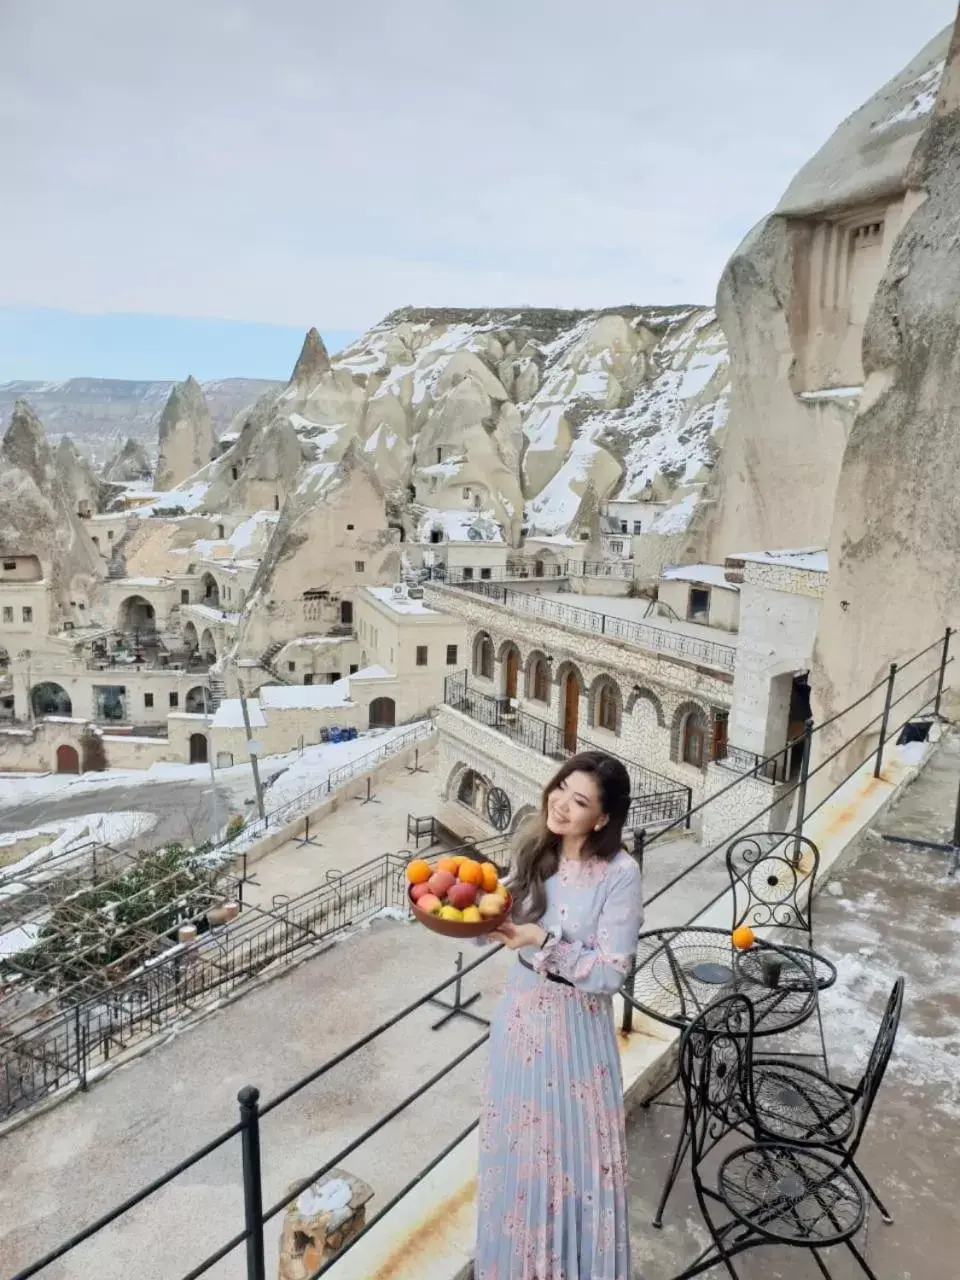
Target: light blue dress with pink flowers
<point x="552" y="1201"/>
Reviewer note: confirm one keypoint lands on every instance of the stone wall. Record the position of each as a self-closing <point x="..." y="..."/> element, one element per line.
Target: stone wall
<point x="723" y="816"/>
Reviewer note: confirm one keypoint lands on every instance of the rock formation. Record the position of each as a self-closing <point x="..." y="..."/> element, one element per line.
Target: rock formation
<point x="185" y="435"/>
<point x="128" y="464"/>
<point x="25" y="447"/>
<point x="38" y="509"/>
<point x="793" y="301"/>
<point x="894" y="546"/>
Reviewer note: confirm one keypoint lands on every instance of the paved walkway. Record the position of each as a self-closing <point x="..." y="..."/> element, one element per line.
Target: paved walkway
<point x="887" y="910"/>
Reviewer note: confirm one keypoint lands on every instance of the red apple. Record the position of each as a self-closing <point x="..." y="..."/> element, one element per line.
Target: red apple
<point x="462" y="895"/>
<point x="440" y="882"/>
<point x="418" y="891"/>
<point x="429" y="903"/>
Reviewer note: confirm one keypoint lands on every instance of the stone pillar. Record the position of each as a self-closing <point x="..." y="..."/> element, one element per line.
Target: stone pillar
<point x="320" y="1222"/>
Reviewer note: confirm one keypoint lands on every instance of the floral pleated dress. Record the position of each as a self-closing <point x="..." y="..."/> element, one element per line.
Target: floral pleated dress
<point x="552" y="1202"/>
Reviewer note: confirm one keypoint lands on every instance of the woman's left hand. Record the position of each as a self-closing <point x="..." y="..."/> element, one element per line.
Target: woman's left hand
<point x="515" y="936"/>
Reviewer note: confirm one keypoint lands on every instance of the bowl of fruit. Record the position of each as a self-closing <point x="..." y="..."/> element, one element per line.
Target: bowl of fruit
<point x="457" y="896"/>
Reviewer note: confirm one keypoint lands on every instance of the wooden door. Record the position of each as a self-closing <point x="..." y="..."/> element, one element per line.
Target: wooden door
<point x="68" y="761"/>
<point x="720" y="736"/>
<point x="510" y="688"/>
<point x="571" y="712"/>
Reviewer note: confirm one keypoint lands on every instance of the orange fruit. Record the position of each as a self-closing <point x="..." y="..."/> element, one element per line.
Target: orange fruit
<point x="743" y="938"/>
<point x="491" y="877"/>
<point x="418" y="871"/>
<point x="448" y="864"/>
<point x="470" y="872"/>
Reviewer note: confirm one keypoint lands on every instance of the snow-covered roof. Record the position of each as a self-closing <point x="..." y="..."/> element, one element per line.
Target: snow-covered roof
<point x="403" y="605"/>
<point x="713" y="574"/>
<point x="675" y="519"/>
<point x="229" y="714"/>
<point x="307" y="696"/>
<point x="813" y="559"/>
<point x="371" y="673"/>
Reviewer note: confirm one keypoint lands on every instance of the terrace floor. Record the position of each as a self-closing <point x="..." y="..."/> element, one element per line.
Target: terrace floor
<point x="887" y="910"/>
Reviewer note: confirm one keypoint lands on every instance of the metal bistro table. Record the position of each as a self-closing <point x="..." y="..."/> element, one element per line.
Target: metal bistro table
<point x="680" y="971"/>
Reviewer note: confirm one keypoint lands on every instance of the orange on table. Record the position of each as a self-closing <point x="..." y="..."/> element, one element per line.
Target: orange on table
<point x="419" y="871"/>
<point x="491" y="876"/>
<point x="743" y="938"/>
<point x="449" y="863"/>
<point x="470" y="871"/>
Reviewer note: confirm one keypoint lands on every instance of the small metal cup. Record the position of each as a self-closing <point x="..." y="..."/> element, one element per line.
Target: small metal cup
<point x="771" y="967"/>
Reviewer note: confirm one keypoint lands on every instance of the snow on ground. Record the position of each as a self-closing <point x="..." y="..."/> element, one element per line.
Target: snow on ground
<point x="922" y="95"/>
<point x="74" y="834"/>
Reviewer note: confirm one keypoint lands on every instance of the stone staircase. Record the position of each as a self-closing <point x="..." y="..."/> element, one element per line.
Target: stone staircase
<point x="266" y="662"/>
<point x="218" y="689"/>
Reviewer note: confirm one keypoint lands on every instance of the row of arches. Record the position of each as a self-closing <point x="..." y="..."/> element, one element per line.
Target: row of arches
<point x="51" y="699"/>
<point x="693" y="738"/>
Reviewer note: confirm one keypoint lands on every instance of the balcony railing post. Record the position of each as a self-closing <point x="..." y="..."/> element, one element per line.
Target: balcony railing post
<point x="249" y="1099"/>
<point x="885" y="719"/>
<point x="943" y="670"/>
<point x="802" y="788"/>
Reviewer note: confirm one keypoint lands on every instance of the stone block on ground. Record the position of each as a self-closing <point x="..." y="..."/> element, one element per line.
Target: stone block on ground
<point x="320" y="1221"/>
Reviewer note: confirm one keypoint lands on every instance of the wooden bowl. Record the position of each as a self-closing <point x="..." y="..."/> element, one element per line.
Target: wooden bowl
<point x="459" y="928"/>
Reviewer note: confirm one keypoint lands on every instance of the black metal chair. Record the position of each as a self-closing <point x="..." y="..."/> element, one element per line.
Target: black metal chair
<point x="770" y="1193"/>
<point x="772" y="878"/>
<point x="798" y="1104"/>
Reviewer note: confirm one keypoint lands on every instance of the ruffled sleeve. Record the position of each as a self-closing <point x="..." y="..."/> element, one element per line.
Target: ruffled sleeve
<point x="601" y="967"/>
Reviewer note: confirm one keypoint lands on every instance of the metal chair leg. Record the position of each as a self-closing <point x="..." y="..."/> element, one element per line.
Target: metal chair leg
<point x="823" y="1039"/>
<point x="655" y="1097"/>
<point x="865" y="1266"/>
<point x="683" y="1144"/>
<point x="872" y="1194"/>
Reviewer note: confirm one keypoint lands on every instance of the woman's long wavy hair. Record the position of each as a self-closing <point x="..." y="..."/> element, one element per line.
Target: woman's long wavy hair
<point x="537" y="855"/>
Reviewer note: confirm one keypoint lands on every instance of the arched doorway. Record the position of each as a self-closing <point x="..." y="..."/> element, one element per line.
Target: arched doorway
<point x="198" y="748"/>
<point x="473" y="790"/>
<point x="197" y="700"/>
<point x="49" y="699"/>
<point x="383" y="713"/>
<point x="68" y="759"/>
<point x="137" y="617"/>
<point x="209" y="591"/>
<point x="571" y="711"/>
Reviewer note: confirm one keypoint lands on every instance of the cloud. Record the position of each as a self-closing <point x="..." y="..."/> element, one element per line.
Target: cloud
<point x="305" y="162"/>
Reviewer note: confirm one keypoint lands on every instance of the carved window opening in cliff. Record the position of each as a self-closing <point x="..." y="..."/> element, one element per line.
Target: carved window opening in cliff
<point x="867" y="234"/>
<point x="436" y="535"/>
<point x="220" y="531"/>
<point x="234" y="473"/>
<point x="698" y="605"/>
<point x="276" y="502"/>
<point x="346" y="613"/>
<point x="49" y="699"/>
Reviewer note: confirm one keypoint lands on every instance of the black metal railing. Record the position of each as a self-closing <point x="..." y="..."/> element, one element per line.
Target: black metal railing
<point x="774" y="769"/>
<point x="251" y="1110"/>
<point x="677" y="644"/>
<point x="655" y="793"/>
<point x="68" y="1046"/>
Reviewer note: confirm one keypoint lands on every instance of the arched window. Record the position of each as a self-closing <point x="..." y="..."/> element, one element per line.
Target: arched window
<point x="608" y="707"/>
<point x="540" y="681"/>
<point x="694" y="734"/>
<point x="483" y="656"/>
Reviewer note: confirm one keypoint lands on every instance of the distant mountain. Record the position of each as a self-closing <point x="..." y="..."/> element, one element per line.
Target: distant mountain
<point x="98" y="414"/>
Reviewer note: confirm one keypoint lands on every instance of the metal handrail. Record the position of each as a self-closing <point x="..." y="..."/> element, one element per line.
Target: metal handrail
<point x="643" y="635"/>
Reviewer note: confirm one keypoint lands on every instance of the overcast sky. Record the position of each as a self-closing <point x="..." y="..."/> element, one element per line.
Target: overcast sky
<point x="301" y="162"/>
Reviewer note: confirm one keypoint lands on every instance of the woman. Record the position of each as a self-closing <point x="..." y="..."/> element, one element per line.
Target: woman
<point x="552" y="1179"/>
